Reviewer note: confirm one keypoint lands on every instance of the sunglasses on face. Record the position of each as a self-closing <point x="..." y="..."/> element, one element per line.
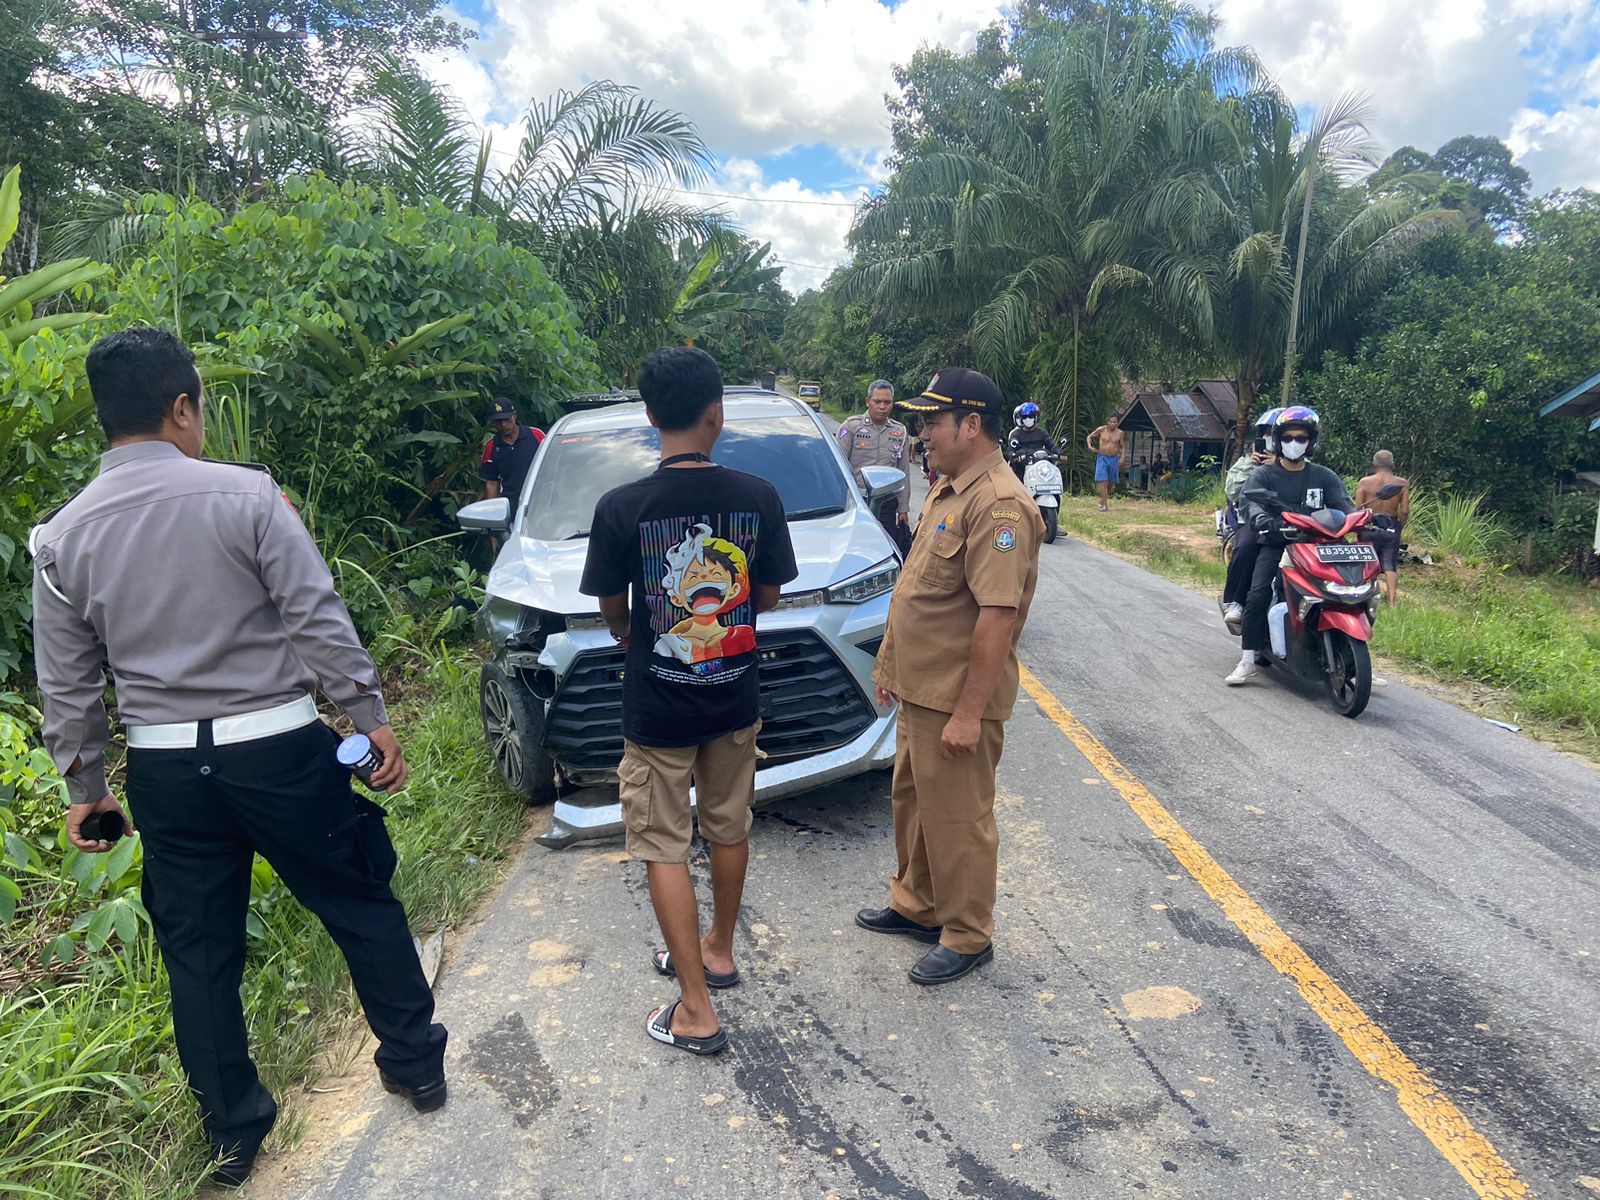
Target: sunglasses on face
<point x="1298" y="438"/>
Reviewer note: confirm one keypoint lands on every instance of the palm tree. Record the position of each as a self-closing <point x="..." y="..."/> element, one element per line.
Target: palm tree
<point x="1276" y="278"/>
<point x="1021" y="232"/>
<point x="587" y="191"/>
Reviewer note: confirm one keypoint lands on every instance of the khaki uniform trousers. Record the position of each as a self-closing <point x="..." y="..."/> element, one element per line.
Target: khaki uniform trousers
<point x="946" y="841"/>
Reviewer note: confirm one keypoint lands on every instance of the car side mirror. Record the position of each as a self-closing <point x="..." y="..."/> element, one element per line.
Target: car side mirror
<point x="489" y="516"/>
<point x="882" y="483"/>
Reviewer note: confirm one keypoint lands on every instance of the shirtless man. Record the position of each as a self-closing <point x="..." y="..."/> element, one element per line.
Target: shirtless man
<point x="1107" y="444"/>
<point x="1388" y="518"/>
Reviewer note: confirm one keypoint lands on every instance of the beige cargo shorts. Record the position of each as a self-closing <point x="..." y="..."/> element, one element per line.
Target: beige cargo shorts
<point x="655" y="783"/>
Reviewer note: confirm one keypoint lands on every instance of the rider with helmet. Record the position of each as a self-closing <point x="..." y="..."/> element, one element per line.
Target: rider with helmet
<point x="1298" y="483"/>
<point x="1243" y="561"/>
<point x="1027" y="437"/>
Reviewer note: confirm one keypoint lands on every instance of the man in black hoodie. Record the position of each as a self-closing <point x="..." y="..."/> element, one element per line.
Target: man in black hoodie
<point x="1298" y="483"/>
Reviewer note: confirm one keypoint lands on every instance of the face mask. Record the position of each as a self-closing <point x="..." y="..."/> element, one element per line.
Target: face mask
<point x="1293" y="451"/>
<point x="1027" y="422"/>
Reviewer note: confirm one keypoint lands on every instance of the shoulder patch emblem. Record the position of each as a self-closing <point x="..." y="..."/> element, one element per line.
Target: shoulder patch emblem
<point x="1005" y="537"/>
<point x="1006" y="514"/>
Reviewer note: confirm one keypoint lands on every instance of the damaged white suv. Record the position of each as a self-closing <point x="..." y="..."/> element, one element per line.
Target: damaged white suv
<point x="551" y="691"/>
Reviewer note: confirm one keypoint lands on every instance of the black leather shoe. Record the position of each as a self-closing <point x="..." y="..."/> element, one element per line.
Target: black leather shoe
<point x="886" y="920"/>
<point x="233" y="1172"/>
<point x="427" y="1098"/>
<point x="942" y="964"/>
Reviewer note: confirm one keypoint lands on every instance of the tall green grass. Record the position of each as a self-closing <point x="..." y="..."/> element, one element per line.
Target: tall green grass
<point x="1456" y="525"/>
<point x="92" y="1101"/>
<point x="1521" y="638"/>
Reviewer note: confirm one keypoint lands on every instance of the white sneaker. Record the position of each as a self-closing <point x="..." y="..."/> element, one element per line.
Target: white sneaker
<point x="1242" y="674"/>
<point x="1233" y="614"/>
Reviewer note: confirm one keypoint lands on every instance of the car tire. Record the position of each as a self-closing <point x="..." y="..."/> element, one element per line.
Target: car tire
<point x="513" y="729"/>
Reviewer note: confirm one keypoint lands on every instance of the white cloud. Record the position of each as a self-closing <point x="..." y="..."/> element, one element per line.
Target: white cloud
<point x="1438" y="68"/>
<point x="806" y="228"/>
<point x="756" y="76"/>
<point x="1563" y="147"/>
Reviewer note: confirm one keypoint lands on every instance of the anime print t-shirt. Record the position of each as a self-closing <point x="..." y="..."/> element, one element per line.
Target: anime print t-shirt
<point x="690" y="543"/>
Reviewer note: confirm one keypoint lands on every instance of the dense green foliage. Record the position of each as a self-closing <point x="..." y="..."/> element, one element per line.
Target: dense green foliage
<point x="1459" y="356"/>
<point x="374" y="332"/>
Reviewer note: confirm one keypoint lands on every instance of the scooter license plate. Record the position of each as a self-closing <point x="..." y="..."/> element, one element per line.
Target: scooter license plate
<point x="1360" y="552"/>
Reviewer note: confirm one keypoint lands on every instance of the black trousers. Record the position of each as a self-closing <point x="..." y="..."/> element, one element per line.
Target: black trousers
<point x="1241" y="567"/>
<point x="202" y="814"/>
<point x="1259" y="598"/>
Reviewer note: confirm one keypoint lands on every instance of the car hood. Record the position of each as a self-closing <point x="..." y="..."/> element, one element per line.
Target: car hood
<point x="545" y="575"/>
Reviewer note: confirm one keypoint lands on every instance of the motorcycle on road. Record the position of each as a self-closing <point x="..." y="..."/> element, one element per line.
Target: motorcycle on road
<point x="1324" y="600"/>
<point x="1042" y="477"/>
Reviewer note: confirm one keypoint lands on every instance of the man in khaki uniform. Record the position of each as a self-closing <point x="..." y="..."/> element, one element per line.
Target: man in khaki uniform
<point x="949" y="656"/>
<point x="875" y="439"/>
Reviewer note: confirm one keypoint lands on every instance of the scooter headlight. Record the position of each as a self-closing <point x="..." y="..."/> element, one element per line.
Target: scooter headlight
<point x="1351" y="591"/>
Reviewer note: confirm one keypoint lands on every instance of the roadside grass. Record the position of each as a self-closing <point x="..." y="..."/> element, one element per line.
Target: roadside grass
<point x="1522" y="649"/>
<point x="92" y="1101"/>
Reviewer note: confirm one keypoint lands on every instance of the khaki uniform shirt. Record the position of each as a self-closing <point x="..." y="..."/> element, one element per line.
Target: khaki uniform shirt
<point x="976" y="546"/>
<point x="198" y="584"/>
<point x="868" y="445"/>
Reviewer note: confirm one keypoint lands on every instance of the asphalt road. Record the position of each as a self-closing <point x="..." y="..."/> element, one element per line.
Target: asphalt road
<point x="1127" y="1039"/>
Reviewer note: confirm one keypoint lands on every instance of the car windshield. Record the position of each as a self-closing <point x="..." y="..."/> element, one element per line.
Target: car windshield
<point x="578" y="468"/>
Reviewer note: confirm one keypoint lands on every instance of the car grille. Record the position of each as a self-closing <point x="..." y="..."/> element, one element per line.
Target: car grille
<point x="809" y="703"/>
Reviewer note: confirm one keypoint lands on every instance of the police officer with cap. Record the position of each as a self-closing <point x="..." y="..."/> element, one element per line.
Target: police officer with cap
<point x="200" y="587"/>
<point x="875" y="439"/>
<point x="949" y="656"/>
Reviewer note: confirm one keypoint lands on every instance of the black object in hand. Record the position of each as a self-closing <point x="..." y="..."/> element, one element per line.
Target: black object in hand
<point x="359" y="756"/>
<point x="102" y="827"/>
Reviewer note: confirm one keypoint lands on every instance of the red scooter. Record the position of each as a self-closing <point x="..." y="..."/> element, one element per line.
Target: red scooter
<point x="1325" y="599"/>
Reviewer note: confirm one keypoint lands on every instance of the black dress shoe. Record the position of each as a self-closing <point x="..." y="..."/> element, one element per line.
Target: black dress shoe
<point x="942" y="964"/>
<point x="232" y="1172"/>
<point x="886" y="920"/>
<point x="427" y="1098"/>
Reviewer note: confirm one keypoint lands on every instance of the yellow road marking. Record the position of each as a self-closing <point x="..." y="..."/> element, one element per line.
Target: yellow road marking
<point x="1429" y="1109"/>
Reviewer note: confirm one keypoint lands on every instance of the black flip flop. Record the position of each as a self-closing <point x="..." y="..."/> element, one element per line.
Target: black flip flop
<point x="662" y="961"/>
<point x="659" y="1027"/>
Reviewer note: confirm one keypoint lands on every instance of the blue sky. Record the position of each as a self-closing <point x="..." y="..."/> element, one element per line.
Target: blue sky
<point x="789" y="93"/>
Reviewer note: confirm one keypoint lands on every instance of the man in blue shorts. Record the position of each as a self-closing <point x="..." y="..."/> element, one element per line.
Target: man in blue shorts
<point x="1107" y="442"/>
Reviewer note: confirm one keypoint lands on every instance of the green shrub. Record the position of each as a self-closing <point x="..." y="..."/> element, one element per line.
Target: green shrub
<point x="375" y="333"/>
<point x="1455" y="525"/>
<point x="1567" y="543"/>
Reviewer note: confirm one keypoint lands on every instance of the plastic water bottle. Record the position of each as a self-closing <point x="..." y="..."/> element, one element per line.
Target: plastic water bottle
<point x="1278" y="627"/>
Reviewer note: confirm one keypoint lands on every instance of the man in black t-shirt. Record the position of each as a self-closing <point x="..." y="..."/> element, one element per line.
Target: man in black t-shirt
<point x="508" y="455"/>
<point x="702" y="550"/>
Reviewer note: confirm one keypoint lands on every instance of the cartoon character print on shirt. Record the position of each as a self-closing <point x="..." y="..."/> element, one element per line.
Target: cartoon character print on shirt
<point x="707" y="577"/>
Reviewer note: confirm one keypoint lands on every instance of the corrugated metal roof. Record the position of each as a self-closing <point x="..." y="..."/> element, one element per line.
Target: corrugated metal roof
<point x="1176" y="416"/>
<point x="1224" y="399"/>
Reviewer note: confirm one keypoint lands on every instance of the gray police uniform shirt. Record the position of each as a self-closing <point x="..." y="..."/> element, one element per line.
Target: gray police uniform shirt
<point x="868" y="445"/>
<point x="198" y="584"/>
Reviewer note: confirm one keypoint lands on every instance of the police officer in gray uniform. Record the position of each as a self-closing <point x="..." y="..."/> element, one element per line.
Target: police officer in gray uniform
<point x="200" y="587"/>
<point x="875" y="439"/>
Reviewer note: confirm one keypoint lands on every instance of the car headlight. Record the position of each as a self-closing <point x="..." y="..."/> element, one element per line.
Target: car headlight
<point x="1353" y="590"/>
<point x="874" y="581"/>
<point x="811" y="599"/>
